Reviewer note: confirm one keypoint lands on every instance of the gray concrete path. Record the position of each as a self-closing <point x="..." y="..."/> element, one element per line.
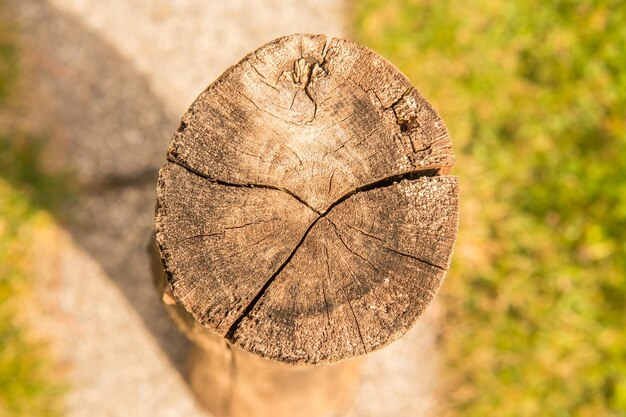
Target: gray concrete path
<point x="107" y="83"/>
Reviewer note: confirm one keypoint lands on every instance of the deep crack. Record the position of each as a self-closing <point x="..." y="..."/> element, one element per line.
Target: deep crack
<point x="385" y="182"/>
<point x="240" y="185"/>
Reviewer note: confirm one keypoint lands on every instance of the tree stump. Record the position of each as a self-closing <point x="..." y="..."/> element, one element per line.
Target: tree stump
<point x="304" y="217"/>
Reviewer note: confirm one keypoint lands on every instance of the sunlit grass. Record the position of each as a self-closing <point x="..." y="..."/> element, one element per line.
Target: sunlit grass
<point x="534" y="95"/>
<point x="28" y="384"/>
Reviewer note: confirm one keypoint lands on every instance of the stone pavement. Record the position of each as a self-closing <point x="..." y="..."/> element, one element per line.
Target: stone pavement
<point x="107" y="82"/>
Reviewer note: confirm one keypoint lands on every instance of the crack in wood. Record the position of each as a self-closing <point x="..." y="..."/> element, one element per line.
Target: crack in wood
<point x="351" y="272"/>
<point x="425" y="261"/>
<point x="361" y="127"/>
<point x="323" y="283"/>
<point x="349" y="249"/>
<point x="385" y="182"/>
<point x="356" y="321"/>
<point x="176" y="161"/>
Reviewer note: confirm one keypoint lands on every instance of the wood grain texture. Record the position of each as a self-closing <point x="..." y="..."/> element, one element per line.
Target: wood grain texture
<point x="231" y="382"/>
<point x="305" y="213"/>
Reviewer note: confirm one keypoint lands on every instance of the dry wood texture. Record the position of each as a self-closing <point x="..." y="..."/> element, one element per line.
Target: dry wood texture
<point x="305" y="213"/>
<point x="230" y="382"/>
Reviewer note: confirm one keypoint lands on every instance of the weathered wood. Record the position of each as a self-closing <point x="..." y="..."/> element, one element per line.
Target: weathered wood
<point x="305" y="213"/>
<point x="231" y="382"/>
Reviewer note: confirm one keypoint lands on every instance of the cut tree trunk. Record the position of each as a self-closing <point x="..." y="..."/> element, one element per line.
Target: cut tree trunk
<point x="231" y="382"/>
<point x="304" y="216"/>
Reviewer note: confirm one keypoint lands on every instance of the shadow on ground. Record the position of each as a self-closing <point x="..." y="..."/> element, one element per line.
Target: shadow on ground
<point x="104" y="126"/>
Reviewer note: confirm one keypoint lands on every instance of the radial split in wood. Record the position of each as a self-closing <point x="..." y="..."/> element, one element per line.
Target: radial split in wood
<point x="305" y="212"/>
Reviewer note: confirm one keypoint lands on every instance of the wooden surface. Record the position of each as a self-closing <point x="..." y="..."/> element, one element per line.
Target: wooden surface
<point x="231" y="382"/>
<point x="305" y="213"/>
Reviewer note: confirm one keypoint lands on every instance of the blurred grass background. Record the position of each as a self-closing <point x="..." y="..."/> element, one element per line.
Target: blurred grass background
<point x="29" y="386"/>
<point x="534" y="96"/>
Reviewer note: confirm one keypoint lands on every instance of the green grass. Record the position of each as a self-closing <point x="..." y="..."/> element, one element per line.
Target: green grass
<point x="534" y="95"/>
<point x="28" y="384"/>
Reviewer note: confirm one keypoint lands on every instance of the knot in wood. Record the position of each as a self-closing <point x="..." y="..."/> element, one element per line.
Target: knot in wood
<point x="305" y="212"/>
